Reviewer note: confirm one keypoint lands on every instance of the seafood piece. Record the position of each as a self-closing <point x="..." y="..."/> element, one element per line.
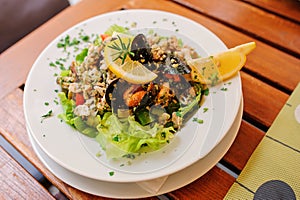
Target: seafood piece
<point x="141" y="49"/>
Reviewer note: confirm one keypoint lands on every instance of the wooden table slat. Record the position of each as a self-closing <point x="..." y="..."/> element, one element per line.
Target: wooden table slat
<point x="16" y="183"/>
<point x="261" y="24"/>
<point x="245" y="143"/>
<point x="259" y="99"/>
<point x="286" y="8"/>
<point x="214" y="185"/>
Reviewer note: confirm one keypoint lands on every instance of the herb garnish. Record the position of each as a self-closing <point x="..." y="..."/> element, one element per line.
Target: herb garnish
<point x="48" y="114"/>
<point x="123" y="50"/>
<point x="111" y="173"/>
<point x="130" y="156"/>
<point x="200" y="121"/>
<point x="66" y="42"/>
<point x="206" y="92"/>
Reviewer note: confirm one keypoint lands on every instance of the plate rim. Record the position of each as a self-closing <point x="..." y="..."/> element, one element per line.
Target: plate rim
<point x="112" y="13"/>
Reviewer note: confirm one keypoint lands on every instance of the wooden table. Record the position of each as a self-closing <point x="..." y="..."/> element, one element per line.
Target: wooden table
<point x="271" y="73"/>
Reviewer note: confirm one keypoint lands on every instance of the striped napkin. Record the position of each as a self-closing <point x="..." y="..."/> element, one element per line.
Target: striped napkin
<point x="273" y="170"/>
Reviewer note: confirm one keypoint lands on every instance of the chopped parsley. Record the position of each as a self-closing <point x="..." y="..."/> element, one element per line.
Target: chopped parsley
<point x="48" y="114"/>
<point x="200" y="121"/>
<point x="46" y="103"/>
<point x="52" y="64"/>
<point x="85" y="38"/>
<point x="111" y="173"/>
<point x="205" y="110"/>
<point x="130" y="156"/>
<point x="55" y="101"/>
<point x="67" y="42"/>
<point x="206" y="92"/>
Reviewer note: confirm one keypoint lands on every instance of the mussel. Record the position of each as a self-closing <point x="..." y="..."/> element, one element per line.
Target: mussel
<point x="114" y="94"/>
<point x="140" y="49"/>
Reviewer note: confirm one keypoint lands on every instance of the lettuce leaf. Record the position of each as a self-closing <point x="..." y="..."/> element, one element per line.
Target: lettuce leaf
<point x="68" y="108"/>
<point x="117" y="138"/>
<point x="80" y="57"/>
<point x="120" y="138"/>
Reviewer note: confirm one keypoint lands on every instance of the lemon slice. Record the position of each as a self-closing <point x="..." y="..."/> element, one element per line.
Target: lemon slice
<point x="222" y="66"/>
<point x="116" y="56"/>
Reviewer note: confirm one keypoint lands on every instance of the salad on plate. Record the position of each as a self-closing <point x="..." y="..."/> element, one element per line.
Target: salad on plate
<point x="131" y="91"/>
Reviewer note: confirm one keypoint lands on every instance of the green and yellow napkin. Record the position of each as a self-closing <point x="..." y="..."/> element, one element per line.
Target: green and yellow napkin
<point x="273" y="170"/>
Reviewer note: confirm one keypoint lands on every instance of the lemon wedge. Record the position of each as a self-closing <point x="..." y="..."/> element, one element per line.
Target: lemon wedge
<point x="221" y="66"/>
<point x="116" y="56"/>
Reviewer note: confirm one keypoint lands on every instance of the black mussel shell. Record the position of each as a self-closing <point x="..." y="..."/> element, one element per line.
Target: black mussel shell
<point x="141" y="49"/>
<point x="114" y="94"/>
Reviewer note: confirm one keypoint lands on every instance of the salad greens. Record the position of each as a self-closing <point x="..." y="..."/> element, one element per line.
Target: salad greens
<point x="116" y="137"/>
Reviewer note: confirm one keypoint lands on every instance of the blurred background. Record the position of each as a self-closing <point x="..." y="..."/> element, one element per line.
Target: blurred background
<point x="20" y="17"/>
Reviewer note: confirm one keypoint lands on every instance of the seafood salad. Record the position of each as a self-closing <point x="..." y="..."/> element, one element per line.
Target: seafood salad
<point x="131" y="92"/>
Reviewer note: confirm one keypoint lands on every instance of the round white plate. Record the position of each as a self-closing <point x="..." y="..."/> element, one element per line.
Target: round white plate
<point x="124" y="190"/>
<point x="78" y="154"/>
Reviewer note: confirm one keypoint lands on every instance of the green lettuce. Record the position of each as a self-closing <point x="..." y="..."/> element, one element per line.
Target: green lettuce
<point x="121" y="138"/>
<point x="87" y="128"/>
<point x="68" y="108"/>
<point x="117" y="138"/>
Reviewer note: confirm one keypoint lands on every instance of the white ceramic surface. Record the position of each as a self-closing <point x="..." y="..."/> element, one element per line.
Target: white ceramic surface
<point x="68" y="148"/>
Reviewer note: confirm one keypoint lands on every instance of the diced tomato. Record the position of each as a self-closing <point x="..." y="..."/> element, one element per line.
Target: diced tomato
<point x="79" y="99"/>
<point x="72" y="68"/>
<point x="104" y="36"/>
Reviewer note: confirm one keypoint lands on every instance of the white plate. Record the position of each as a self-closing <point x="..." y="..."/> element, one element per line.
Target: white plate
<point x="124" y="190"/>
<point x="78" y="154"/>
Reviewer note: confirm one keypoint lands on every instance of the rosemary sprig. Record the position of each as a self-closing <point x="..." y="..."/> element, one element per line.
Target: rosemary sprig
<point x="123" y="50"/>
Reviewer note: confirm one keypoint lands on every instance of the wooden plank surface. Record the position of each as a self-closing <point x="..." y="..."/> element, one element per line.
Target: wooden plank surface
<point x="246" y="18"/>
<point x="214" y="185"/>
<point x="286" y="8"/>
<point x="245" y="143"/>
<point x="269" y="77"/>
<point x="16" y="183"/>
<point x="262" y="102"/>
